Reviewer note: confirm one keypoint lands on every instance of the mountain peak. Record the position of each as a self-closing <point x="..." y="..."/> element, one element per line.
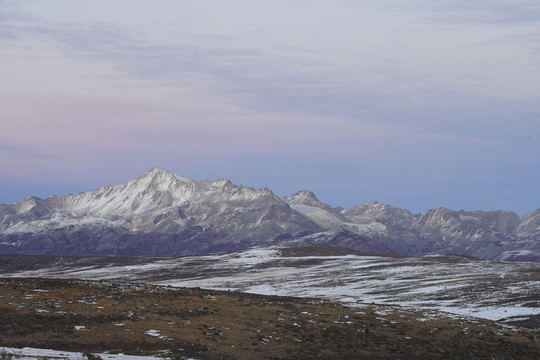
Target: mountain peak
<point x="27" y="203"/>
<point x="304" y="197"/>
<point x="156" y="173"/>
<point x="222" y="182"/>
<point x="306" y="194"/>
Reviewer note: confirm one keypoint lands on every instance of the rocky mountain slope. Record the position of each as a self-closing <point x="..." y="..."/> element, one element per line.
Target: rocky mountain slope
<point x="160" y="213"/>
<point x="493" y="235"/>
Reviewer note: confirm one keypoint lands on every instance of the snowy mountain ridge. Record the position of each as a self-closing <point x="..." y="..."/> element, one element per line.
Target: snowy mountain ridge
<point x="160" y="213"/>
<point x="156" y="193"/>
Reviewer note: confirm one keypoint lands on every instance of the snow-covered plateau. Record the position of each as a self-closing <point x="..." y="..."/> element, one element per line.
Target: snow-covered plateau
<point x="504" y="291"/>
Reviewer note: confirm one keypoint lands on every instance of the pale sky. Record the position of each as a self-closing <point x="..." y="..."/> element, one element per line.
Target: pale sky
<point x="416" y="104"/>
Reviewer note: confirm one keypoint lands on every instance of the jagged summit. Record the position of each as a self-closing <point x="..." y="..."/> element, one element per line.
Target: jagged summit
<point x="303" y="197"/>
<point x="153" y="170"/>
<point x="156" y="174"/>
<point x="156" y="171"/>
<point x="305" y="194"/>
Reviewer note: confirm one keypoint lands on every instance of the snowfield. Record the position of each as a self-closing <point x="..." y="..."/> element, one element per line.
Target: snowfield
<point x="506" y="291"/>
<point x="34" y="354"/>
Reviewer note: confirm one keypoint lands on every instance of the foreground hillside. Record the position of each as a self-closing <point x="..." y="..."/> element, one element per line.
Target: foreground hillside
<point x="162" y="214"/>
<point x="504" y="291"/>
<point x="141" y="319"/>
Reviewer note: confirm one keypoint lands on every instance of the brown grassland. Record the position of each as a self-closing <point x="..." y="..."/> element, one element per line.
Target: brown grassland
<point x="141" y="319"/>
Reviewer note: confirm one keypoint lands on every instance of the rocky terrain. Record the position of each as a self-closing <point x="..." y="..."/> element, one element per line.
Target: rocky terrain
<point x="163" y="214"/>
<point x="176" y="323"/>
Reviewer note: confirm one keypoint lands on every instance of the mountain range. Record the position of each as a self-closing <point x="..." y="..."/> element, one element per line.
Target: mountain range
<point x="162" y="214"/>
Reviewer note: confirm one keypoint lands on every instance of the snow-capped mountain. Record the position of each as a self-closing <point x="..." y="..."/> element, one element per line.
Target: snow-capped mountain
<point x="160" y="208"/>
<point x="530" y="224"/>
<point x="160" y="213"/>
<point x="320" y="213"/>
<point x="157" y="201"/>
<point x="488" y="235"/>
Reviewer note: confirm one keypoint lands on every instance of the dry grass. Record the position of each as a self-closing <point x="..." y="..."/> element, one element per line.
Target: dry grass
<point x="143" y="319"/>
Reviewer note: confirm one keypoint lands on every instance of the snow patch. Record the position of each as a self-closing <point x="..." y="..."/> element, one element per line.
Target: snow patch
<point x="35" y="354"/>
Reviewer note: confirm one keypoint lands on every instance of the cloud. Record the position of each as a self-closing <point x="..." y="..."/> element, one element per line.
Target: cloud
<point x="396" y="65"/>
<point x="289" y="89"/>
<point x="461" y="11"/>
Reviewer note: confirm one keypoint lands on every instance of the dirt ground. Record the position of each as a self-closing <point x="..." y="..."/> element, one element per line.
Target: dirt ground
<point x="142" y="319"/>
